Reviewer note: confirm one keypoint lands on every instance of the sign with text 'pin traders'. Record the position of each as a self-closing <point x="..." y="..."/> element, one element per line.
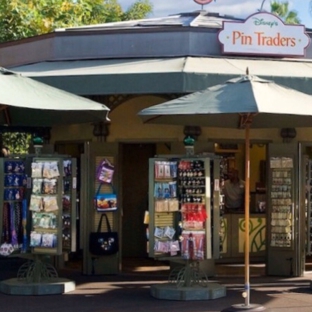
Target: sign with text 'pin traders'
<point x="263" y="34"/>
<point x="203" y="2"/>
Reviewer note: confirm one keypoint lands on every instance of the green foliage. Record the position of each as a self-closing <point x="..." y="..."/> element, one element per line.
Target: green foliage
<point x="26" y="18"/>
<point x="136" y="9"/>
<point x="17" y="143"/>
<point x="281" y="9"/>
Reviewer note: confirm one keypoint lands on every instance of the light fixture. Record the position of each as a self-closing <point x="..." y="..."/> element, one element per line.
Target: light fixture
<point x="192" y="131"/>
<point x="191" y="135"/>
<point x="288" y="134"/>
<point x="38" y="143"/>
<point x="101" y="130"/>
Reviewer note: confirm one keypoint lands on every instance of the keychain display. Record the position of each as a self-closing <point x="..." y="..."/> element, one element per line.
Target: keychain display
<point x="180" y="188"/>
<point x="281" y="198"/>
<point x="41" y="220"/>
<point x="14" y="184"/>
<point x="192" y="184"/>
<point x="165" y="169"/>
<point x="192" y="245"/>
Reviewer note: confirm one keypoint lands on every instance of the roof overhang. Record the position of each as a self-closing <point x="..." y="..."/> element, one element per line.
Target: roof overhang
<point x="163" y="75"/>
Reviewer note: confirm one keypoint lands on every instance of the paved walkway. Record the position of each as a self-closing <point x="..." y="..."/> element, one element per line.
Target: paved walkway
<point x="130" y="291"/>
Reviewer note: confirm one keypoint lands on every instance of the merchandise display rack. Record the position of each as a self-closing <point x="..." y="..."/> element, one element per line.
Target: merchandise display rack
<point x="48" y="224"/>
<point x="281" y="216"/>
<point x="180" y="225"/>
<point x="309" y="206"/>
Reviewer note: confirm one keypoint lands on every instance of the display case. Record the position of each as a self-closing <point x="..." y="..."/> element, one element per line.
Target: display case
<point x="38" y="204"/>
<point x="285" y="232"/>
<point x="184" y="214"/>
<point x="51" y="205"/>
<point x="13" y="190"/>
<point x="164" y="224"/>
<point x="69" y="208"/>
<point x="309" y="205"/>
<point x="282" y="208"/>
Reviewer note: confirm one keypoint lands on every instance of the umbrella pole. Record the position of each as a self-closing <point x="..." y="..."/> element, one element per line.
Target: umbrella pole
<point x="247" y="204"/>
<point x="246" y="294"/>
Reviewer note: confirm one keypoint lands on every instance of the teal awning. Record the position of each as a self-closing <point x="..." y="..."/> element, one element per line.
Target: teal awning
<point x="164" y="75"/>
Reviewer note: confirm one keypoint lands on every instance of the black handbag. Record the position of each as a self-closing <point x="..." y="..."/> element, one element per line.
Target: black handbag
<point x="103" y="243"/>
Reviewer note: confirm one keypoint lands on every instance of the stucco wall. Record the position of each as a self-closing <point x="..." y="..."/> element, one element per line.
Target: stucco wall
<point x="127" y="126"/>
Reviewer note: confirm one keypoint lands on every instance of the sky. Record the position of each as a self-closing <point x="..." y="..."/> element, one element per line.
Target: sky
<point x="236" y="8"/>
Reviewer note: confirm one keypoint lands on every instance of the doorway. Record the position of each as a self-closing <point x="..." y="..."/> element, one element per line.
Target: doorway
<point x="134" y="168"/>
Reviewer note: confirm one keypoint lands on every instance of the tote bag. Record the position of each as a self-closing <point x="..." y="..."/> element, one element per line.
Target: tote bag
<point x="103" y="243"/>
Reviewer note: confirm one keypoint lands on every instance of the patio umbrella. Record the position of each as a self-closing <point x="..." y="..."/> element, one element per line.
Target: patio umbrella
<point x="243" y="102"/>
<point x="27" y="102"/>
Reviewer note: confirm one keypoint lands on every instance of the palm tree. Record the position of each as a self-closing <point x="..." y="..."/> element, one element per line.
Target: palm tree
<point x="281" y="10"/>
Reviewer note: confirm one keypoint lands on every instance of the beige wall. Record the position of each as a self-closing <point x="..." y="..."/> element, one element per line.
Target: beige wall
<point x="126" y="126"/>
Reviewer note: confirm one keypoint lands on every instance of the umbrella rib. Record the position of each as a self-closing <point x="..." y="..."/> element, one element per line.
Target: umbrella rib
<point x="151" y="119"/>
<point x="245" y="119"/>
<point x="6" y="114"/>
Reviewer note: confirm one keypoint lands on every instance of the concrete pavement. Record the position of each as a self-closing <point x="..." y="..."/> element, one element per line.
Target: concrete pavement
<point x="130" y="291"/>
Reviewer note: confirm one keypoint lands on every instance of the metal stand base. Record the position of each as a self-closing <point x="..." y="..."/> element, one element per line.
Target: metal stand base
<point x="55" y="286"/>
<point x="37" y="277"/>
<point x="188" y="283"/>
<point x="36" y="271"/>
<point x="243" y="307"/>
<point x="172" y="292"/>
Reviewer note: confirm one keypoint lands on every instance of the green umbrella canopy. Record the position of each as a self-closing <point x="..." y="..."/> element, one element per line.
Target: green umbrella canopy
<point x="27" y="102"/>
<point x="223" y="105"/>
<point x="244" y="102"/>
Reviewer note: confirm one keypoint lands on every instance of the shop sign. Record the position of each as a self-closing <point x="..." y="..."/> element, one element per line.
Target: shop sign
<point x="263" y="34"/>
<point x="203" y="2"/>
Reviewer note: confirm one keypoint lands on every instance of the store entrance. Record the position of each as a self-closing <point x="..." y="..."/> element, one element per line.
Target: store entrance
<point x="134" y="168"/>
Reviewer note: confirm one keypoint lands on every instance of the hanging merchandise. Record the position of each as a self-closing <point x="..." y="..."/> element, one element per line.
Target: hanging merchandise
<point x="39" y="223"/>
<point x="6" y="249"/>
<point x="184" y="215"/>
<point x="51" y="205"/>
<point x="105" y="201"/>
<point x="103" y="243"/>
<point x="13" y="193"/>
<point x="105" y="172"/>
<point x="192" y="247"/>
